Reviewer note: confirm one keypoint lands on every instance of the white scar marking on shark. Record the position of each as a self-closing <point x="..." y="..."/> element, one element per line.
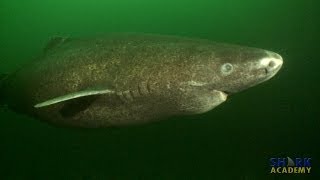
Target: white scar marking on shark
<point x="195" y="83"/>
<point x="192" y="83"/>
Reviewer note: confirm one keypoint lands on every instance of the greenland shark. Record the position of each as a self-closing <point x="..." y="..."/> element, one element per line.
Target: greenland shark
<point x="124" y="79"/>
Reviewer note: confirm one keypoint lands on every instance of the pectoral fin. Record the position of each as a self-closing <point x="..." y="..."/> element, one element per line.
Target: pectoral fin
<point x="79" y="94"/>
<point x="202" y="101"/>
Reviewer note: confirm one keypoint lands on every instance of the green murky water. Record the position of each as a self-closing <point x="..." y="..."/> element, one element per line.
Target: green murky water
<point x="234" y="141"/>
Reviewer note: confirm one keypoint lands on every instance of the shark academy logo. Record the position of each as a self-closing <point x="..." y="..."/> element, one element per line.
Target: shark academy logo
<point x="290" y="165"/>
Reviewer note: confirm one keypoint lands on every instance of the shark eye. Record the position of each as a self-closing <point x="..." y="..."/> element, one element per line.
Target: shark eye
<point x="226" y="68"/>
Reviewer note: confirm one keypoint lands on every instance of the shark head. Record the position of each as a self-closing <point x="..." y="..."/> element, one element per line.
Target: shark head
<point x="238" y="68"/>
<point x="217" y="70"/>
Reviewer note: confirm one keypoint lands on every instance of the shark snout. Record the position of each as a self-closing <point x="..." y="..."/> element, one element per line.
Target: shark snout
<point x="272" y="63"/>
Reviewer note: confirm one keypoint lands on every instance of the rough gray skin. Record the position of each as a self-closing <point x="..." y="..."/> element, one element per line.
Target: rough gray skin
<point x="154" y="77"/>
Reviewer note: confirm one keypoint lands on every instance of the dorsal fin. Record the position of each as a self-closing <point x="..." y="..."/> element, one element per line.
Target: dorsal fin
<point x="55" y="42"/>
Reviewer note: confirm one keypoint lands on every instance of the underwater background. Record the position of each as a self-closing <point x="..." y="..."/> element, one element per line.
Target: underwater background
<point x="278" y="118"/>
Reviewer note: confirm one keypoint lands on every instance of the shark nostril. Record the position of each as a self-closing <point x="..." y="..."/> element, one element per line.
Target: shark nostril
<point x="272" y="64"/>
